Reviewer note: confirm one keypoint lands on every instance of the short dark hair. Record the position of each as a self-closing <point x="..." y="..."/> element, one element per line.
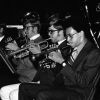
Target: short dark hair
<point x="59" y="24"/>
<point x="79" y="23"/>
<point x="33" y="18"/>
<point x="53" y="18"/>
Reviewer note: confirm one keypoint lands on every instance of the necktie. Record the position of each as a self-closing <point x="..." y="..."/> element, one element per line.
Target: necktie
<point x="74" y="54"/>
<point x="71" y="60"/>
<point x="73" y="57"/>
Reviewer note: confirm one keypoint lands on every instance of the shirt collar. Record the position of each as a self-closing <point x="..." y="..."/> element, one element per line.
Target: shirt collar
<point x="1" y="38"/>
<point x="35" y="37"/>
<point x="61" y="41"/>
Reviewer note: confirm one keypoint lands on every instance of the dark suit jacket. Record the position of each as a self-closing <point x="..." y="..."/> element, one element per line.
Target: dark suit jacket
<point x="72" y="83"/>
<point x="65" y="49"/>
<point x="80" y="76"/>
<point x="47" y="76"/>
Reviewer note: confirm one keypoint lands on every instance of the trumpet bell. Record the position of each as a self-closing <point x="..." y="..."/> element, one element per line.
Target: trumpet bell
<point x="45" y="44"/>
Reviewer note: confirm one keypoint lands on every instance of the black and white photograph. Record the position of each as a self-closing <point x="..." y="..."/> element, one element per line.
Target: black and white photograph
<point x="49" y="50"/>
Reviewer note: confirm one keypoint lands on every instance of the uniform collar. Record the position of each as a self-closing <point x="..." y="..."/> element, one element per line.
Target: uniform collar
<point x="1" y="38"/>
<point x="61" y="41"/>
<point x="35" y="37"/>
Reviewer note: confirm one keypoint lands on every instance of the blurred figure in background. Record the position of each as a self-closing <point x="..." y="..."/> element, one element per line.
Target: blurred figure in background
<point x="25" y="67"/>
<point x="31" y="29"/>
<point x="6" y="38"/>
<point x="2" y="29"/>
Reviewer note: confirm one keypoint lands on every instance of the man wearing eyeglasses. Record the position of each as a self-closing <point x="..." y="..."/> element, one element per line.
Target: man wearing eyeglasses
<point x="57" y="35"/>
<point x="25" y="69"/>
<point x="80" y="77"/>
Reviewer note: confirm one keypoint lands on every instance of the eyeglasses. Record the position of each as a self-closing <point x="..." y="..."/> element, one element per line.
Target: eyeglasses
<point x="51" y="31"/>
<point x="70" y="35"/>
<point x="27" y="27"/>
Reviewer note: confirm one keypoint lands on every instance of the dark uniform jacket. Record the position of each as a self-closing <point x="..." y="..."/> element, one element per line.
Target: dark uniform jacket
<point x="47" y="76"/>
<point x="81" y="76"/>
<point x="73" y="82"/>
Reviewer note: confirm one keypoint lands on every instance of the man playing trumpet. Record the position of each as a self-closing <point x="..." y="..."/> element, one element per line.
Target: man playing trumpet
<point x="25" y="67"/>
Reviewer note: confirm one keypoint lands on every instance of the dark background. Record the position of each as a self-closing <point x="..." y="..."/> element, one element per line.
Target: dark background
<point x="11" y="11"/>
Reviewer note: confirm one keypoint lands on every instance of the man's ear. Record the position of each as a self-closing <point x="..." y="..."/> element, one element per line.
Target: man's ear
<point x="81" y="35"/>
<point x="82" y="32"/>
<point x="61" y="32"/>
<point x="36" y="28"/>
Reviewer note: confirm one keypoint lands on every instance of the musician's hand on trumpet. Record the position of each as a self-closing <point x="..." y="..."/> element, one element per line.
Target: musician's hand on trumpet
<point x="56" y="56"/>
<point x="34" y="48"/>
<point x="12" y="46"/>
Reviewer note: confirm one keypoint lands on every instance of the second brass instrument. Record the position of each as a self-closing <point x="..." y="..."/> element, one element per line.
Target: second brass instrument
<point x="23" y="52"/>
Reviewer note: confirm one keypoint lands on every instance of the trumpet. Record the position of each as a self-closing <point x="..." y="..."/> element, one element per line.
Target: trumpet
<point x="24" y="51"/>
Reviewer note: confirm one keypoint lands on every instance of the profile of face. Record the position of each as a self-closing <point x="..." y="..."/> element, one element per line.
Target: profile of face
<point x="30" y="30"/>
<point x="53" y="33"/>
<point x="74" y="38"/>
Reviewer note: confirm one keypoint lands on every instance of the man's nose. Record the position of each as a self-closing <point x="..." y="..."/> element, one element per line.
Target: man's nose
<point x="49" y="34"/>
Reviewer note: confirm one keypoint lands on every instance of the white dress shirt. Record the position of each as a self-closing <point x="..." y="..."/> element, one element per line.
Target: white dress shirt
<point x="61" y="41"/>
<point x="77" y="50"/>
